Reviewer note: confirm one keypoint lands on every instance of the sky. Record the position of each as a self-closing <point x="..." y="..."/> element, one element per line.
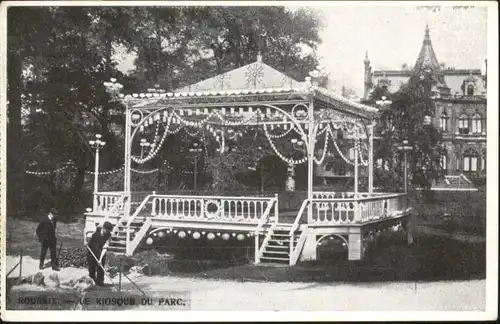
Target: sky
<point x="392" y="35"/>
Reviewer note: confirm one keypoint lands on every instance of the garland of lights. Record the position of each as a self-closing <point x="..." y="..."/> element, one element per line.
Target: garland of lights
<point x="287" y="160"/>
<point x="195" y="134"/>
<point x="48" y="172"/>
<point x="106" y="172"/>
<point x="144" y="172"/>
<point x="363" y="161"/>
<point x="292" y="127"/>
<point x="153" y="145"/>
<point x="320" y="161"/>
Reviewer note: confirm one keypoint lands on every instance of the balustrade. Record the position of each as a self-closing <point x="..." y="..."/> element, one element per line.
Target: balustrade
<point x="242" y="209"/>
<point x="349" y="210"/>
<point x="104" y="201"/>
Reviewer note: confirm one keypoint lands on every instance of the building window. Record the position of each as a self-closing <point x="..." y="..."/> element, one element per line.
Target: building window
<point x="470" y="90"/>
<point x="444" y="122"/>
<point x="483" y="163"/>
<point x="477" y="124"/>
<point x="463" y="124"/>
<point x="470" y="161"/>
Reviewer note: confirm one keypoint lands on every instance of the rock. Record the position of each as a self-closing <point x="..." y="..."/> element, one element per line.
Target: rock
<point x="137" y="269"/>
<point x="53" y="280"/>
<point x="84" y="284"/>
<point x="38" y="279"/>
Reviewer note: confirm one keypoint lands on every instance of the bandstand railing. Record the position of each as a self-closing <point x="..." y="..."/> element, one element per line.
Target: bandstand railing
<point x="206" y="208"/>
<point x="104" y="201"/>
<point x="352" y="210"/>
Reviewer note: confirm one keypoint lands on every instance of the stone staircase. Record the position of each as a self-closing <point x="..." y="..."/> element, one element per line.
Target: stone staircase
<point x="277" y="249"/>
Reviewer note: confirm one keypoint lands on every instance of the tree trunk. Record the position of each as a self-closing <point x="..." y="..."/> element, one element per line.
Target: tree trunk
<point x="79" y="178"/>
<point x="14" y="75"/>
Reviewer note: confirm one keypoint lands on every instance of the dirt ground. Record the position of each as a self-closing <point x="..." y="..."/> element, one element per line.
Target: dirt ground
<point x="210" y="294"/>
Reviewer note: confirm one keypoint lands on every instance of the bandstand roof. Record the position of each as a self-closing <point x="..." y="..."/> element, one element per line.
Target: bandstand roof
<point x="256" y="82"/>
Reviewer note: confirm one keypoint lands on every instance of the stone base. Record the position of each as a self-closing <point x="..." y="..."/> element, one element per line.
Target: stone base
<point x="309" y="250"/>
<point x="355" y="246"/>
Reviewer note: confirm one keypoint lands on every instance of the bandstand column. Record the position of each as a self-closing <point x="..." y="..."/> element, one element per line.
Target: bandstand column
<point x="128" y="149"/>
<point x="370" y="158"/>
<point x="310" y="158"/>
<point x="356" y="176"/>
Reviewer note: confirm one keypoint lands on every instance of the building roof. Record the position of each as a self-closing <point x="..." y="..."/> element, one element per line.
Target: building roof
<point x="255" y="79"/>
<point x="427" y="60"/>
<point x="256" y="75"/>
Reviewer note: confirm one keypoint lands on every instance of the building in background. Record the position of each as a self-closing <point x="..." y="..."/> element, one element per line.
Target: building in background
<point x="460" y="101"/>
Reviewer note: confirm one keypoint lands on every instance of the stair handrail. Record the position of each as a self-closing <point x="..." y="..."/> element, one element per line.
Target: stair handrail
<point x="138" y="210"/>
<point x="265" y="216"/>
<point x="263" y="220"/>
<point x="131" y="218"/>
<point x="295" y="253"/>
<point x="112" y="210"/>
<point x="130" y="248"/>
<point x="295" y="226"/>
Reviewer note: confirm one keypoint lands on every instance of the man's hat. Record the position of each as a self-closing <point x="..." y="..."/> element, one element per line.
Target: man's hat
<point x="54" y="211"/>
<point x="108" y="226"/>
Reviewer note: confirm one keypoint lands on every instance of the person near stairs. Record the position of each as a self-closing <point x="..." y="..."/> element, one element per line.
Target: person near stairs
<point x="96" y="245"/>
<point x="46" y="233"/>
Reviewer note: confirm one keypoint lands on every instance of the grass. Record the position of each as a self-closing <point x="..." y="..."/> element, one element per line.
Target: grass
<point x="21" y="236"/>
<point x="463" y="212"/>
<point x="430" y="258"/>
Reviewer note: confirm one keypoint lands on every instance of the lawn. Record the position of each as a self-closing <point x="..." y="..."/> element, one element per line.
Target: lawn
<point x="453" y="212"/>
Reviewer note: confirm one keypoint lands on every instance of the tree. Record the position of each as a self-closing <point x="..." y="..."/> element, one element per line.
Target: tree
<point x="60" y="57"/>
<point x="195" y="43"/>
<point x="405" y="119"/>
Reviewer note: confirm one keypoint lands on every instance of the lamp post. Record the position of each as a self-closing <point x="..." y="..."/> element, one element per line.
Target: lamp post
<point x="405" y="148"/>
<point x="195" y="150"/>
<point x="96" y="144"/>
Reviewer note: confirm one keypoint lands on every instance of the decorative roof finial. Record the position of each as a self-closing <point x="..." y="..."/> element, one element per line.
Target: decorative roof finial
<point x="259" y="57"/>
<point x="366" y="57"/>
<point x="427" y="35"/>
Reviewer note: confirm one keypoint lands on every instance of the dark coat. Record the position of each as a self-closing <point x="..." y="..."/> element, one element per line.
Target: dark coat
<point x="97" y="241"/>
<point x="46" y="230"/>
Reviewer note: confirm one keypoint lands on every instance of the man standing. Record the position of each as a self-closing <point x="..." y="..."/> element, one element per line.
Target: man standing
<point x="96" y="244"/>
<point x="46" y="233"/>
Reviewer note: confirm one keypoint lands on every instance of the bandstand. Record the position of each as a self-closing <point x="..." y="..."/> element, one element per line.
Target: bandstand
<point x="259" y="96"/>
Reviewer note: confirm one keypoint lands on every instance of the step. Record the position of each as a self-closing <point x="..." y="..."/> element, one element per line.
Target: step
<point x="275" y="258"/>
<point x="136" y="225"/>
<point x="281" y="235"/>
<point x="116" y="250"/>
<point x="117" y="242"/>
<point x="275" y="252"/>
<point x="123" y="234"/>
<point x="281" y="247"/>
<point x="272" y="264"/>
<point x="279" y="241"/>
<point x="124" y="228"/>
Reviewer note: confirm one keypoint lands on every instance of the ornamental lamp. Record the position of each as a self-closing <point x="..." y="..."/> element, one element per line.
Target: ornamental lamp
<point x="427" y="120"/>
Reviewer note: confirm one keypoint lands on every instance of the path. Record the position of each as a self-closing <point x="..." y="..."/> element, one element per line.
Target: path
<point x="231" y="295"/>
